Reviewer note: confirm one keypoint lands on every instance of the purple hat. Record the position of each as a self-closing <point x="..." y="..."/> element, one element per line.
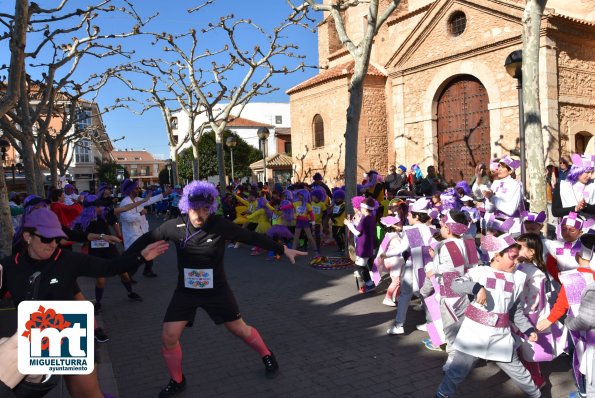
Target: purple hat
<point x="500" y="224"/>
<point x="338" y="194"/>
<point x="464" y="186"/>
<point x="45" y="222"/>
<point x="390" y="220"/>
<point x="495" y="244"/>
<point x="455" y="227"/>
<point x="510" y="162"/>
<point x="319" y="194"/>
<point x="402" y="168"/>
<point x="127" y="186"/>
<point x="586" y="161"/>
<point x="33" y="200"/>
<point x="68" y="186"/>
<point x="538" y="218"/>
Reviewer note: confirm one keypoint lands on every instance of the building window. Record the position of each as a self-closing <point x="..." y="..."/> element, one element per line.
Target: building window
<point x="82" y="151"/>
<point x="83" y="119"/>
<point x="174" y="123"/>
<point x="278" y="119"/>
<point x="457" y="23"/>
<point x="287" y="148"/>
<point x="148" y="170"/>
<point x="318" y="129"/>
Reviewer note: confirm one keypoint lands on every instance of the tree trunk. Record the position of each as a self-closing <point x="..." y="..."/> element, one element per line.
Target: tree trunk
<point x="220" y="162"/>
<point x="175" y="171"/>
<point x="29" y="166"/>
<point x="195" y="164"/>
<point x="356" y="90"/>
<point x="52" y="151"/>
<point x="5" y="218"/>
<point x="532" y="116"/>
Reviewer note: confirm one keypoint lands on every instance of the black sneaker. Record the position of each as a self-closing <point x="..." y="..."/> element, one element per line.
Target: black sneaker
<point x="172" y="388"/>
<point x="134" y="296"/>
<point x="150" y="274"/>
<point x="100" y="336"/>
<point x="271" y="367"/>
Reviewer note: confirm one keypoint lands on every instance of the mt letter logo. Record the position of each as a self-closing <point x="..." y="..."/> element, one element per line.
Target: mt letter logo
<point x="56" y="337"/>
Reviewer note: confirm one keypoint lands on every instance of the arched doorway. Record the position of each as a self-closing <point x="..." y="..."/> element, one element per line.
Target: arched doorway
<point x="463" y="128"/>
<point x="583" y="143"/>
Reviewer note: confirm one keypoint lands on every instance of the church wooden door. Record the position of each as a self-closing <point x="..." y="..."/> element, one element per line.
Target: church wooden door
<point x="463" y="128"/>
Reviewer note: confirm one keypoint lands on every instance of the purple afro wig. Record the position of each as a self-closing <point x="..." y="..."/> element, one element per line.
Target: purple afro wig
<point x="263" y="204"/>
<point x="287" y="207"/>
<point x="287" y="194"/>
<point x="465" y="187"/>
<point x="338" y="194"/>
<point x="305" y="194"/>
<point x="357" y="201"/>
<point x="318" y="193"/>
<point x="128" y="186"/>
<point x="199" y="194"/>
<point x="88" y="214"/>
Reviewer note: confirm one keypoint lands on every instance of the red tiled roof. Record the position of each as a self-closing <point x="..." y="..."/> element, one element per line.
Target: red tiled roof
<point x="130" y="157"/>
<point x="333" y="73"/>
<point x="236" y="121"/>
<point x="280" y="160"/>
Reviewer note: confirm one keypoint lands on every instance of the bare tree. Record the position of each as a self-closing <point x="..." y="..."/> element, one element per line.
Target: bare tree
<point x="17" y="34"/>
<point x="532" y="116"/>
<point x="63" y="38"/>
<point x="360" y="52"/>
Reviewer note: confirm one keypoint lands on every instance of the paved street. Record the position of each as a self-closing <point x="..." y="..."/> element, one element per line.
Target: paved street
<point x="329" y="341"/>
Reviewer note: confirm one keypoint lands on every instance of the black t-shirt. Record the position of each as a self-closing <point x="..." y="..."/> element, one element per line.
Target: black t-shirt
<point x="59" y="273"/>
<point x="203" y="249"/>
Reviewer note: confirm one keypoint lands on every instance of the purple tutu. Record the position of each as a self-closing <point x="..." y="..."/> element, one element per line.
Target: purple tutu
<point x="279" y="232"/>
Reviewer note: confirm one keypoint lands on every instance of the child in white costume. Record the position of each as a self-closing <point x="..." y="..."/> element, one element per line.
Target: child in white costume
<point x="485" y="331"/>
<point x="390" y="258"/>
<point x="505" y="196"/>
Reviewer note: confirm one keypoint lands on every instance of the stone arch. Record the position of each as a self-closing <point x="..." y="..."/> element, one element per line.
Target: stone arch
<point x="442" y="77"/>
<point x="584" y="132"/>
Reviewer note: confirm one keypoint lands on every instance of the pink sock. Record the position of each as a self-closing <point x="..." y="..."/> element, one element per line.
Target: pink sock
<point x="393" y="288"/>
<point x="173" y="361"/>
<point x="255" y="341"/>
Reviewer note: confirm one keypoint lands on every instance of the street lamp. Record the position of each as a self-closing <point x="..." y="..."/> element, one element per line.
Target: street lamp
<point x="263" y="134"/>
<point x="120" y="175"/>
<point x="169" y="173"/>
<point x="514" y="67"/>
<point x="231" y="143"/>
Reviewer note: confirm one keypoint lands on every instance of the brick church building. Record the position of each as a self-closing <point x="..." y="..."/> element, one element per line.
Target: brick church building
<point x="437" y="91"/>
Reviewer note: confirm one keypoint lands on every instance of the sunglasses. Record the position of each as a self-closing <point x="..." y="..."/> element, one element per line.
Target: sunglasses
<point x="208" y="199"/>
<point x="45" y="240"/>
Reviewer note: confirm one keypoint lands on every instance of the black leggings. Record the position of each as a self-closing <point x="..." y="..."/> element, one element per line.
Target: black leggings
<point x="339" y="236"/>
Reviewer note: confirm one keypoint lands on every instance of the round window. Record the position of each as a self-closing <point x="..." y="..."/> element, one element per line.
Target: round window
<point x="457" y="23"/>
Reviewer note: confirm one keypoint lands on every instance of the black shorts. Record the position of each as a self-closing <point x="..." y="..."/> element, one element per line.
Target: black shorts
<point x="221" y="307"/>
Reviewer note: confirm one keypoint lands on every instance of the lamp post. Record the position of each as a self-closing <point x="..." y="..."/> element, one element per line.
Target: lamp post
<point x="119" y="177"/>
<point x="169" y="173"/>
<point x="263" y="134"/>
<point x="514" y="67"/>
<point x="231" y="143"/>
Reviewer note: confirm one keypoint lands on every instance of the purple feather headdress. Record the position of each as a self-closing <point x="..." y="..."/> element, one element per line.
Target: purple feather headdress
<point x="465" y="187"/>
<point x="199" y="194"/>
<point x="128" y="186"/>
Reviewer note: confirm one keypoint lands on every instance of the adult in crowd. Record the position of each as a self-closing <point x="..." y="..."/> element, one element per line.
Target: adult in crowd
<point x="432" y="183"/>
<point x="317" y="182"/>
<point x="563" y="169"/>
<point x="134" y="221"/>
<point x="200" y="236"/>
<point x="59" y="270"/>
<point x="576" y="193"/>
<point x="70" y="195"/>
<point x="395" y="179"/>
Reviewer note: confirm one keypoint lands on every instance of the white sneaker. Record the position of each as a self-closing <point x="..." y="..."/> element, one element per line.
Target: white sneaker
<point x="237" y="245"/>
<point x="418" y="307"/>
<point x="423" y="327"/>
<point x="231" y="245"/>
<point x="388" y="302"/>
<point x="396" y="330"/>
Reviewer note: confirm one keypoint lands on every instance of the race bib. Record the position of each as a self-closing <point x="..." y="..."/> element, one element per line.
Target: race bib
<point x="99" y="244"/>
<point x="336" y="209"/>
<point x="301" y="210"/>
<point x="315" y="210"/>
<point x="198" y="278"/>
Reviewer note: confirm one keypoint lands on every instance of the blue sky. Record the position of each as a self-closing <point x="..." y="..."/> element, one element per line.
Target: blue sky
<point x="147" y="131"/>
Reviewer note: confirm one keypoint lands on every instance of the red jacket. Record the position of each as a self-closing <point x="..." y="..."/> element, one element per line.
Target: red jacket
<point x="66" y="214"/>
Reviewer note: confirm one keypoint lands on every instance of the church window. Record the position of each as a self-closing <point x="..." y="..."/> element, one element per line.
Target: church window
<point x="318" y="129"/>
<point x="457" y="23"/>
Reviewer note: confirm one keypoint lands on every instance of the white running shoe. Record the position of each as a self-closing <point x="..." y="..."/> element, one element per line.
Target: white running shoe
<point x="237" y="245"/>
<point x="423" y="327"/>
<point x="396" y="330"/>
<point x="388" y="302"/>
